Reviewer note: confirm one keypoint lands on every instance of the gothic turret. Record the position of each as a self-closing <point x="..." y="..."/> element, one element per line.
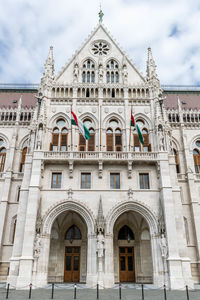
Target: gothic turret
<point x="152" y="76"/>
<point x="48" y="75"/>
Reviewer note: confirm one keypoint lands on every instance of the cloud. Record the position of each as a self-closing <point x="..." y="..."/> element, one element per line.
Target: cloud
<point x="29" y="27"/>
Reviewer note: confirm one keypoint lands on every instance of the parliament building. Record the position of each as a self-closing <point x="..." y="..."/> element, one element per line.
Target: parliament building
<point x="108" y="209"/>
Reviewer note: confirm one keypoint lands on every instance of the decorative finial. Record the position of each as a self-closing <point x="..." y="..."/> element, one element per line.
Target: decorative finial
<point x="101" y="14"/>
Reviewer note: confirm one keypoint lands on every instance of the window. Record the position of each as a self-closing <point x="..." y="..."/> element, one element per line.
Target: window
<point x="137" y="146"/>
<point x="113" y="136"/>
<point x="176" y="160"/>
<point x="87" y="145"/>
<point x="85" y="180"/>
<point x="73" y="233"/>
<point x="144" y="181"/>
<point x="18" y="192"/>
<point x="23" y="158"/>
<point x="56" y="180"/>
<point x="112" y="74"/>
<point x="125" y="233"/>
<point x="59" y="136"/>
<point x="2" y="158"/>
<point x="13" y="231"/>
<point x="88" y="74"/>
<point x="114" y="180"/>
<point x="196" y="156"/>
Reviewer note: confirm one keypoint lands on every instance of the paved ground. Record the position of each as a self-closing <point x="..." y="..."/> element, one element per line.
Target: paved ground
<point x="90" y="294"/>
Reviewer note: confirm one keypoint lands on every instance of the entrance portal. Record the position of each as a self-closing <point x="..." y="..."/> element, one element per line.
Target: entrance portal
<point x="72" y="264"/>
<point x="126" y="264"/>
<point x="68" y="249"/>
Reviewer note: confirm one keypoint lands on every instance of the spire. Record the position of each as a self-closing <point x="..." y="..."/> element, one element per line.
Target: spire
<point x="100" y="223"/>
<point x="151" y="66"/>
<point x="49" y="64"/>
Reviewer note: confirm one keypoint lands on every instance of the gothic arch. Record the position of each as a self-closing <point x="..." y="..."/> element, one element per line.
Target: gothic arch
<point x="175" y="143"/>
<point x="193" y="140"/>
<point x="114" y="116"/>
<point x="57" y="116"/>
<point x="6" y="141"/>
<point x="138" y="207"/>
<point x="145" y="118"/>
<point x="23" y="140"/>
<point x="62" y="206"/>
<point x="113" y="58"/>
<point x="90" y="116"/>
<point x="85" y="59"/>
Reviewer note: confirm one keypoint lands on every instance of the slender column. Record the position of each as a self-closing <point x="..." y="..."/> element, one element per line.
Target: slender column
<point x="21" y="216"/>
<point x="7" y="186"/>
<point x="26" y="260"/>
<point x="91" y="278"/>
<point x="109" y="261"/>
<point x="174" y="261"/>
<point x="127" y="121"/>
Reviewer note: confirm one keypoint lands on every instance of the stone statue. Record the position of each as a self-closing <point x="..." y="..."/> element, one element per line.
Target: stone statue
<point x="125" y="74"/>
<point x="163" y="246"/>
<point x="39" y="138"/>
<point x="37" y="245"/>
<point x="100" y="73"/>
<point x="76" y="72"/>
<point x="100" y="244"/>
<point x="161" y="137"/>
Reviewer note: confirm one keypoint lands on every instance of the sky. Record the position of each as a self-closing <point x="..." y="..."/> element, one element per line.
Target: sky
<point x="171" y="28"/>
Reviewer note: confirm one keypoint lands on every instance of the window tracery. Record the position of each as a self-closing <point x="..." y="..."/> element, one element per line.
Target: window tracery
<point x="88" y="74"/>
<point x="112" y="73"/>
<point x="113" y="136"/>
<point x="59" y="136"/>
<point x="2" y="156"/>
<point x="137" y="146"/>
<point x="100" y="48"/>
<point x="88" y="145"/>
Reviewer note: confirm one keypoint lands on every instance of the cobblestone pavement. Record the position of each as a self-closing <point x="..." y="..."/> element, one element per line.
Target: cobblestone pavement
<point x="91" y="294"/>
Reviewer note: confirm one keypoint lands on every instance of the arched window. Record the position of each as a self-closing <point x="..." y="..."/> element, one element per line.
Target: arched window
<point x="196" y="157"/>
<point x="13" y="229"/>
<point x="87" y="145"/>
<point x="113" y="136"/>
<point x="2" y="158"/>
<point x="176" y="160"/>
<point x="59" y="136"/>
<point x="73" y="233"/>
<point x="137" y="146"/>
<point x="126" y="233"/>
<point x="88" y="73"/>
<point x="23" y="158"/>
<point x="112" y="74"/>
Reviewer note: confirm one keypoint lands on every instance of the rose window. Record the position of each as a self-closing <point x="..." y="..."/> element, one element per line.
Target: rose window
<point x="100" y="48"/>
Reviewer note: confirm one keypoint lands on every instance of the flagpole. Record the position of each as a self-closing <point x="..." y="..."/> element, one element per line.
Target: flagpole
<point x="71" y="134"/>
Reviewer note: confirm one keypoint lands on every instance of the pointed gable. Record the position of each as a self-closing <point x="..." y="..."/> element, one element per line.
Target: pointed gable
<point x="87" y="51"/>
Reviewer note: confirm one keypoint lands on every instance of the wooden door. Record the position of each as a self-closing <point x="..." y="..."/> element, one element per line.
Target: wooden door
<point x="126" y="264"/>
<point x="72" y="264"/>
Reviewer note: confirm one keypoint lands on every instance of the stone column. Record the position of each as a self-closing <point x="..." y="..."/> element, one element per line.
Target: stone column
<point x="41" y="278"/>
<point x="91" y="278"/>
<point x="7" y="186"/>
<point x="26" y="260"/>
<point x="21" y="216"/>
<point x="109" y="261"/>
<point x="174" y="261"/>
<point x="158" y="270"/>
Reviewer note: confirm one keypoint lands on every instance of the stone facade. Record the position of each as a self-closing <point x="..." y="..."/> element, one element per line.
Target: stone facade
<point x="155" y="187"/>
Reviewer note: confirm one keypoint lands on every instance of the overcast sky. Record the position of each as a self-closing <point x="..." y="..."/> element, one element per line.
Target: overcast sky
<point x="170" y="27"/>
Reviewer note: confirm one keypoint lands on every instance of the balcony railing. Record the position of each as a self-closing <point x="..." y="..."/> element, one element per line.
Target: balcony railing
<point x="72" y="155"/>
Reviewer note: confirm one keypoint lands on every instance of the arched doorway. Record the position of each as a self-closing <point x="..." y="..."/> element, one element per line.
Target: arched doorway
<point x="68" y="249"/>
<point x="132" y="249"/>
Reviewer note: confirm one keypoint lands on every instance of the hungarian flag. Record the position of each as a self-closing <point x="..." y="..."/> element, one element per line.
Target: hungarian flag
<point x="139" y="133"/>
<point x="82" y="128"/>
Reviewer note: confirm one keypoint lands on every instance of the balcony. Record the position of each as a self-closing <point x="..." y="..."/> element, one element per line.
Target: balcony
<point x="96" y="156"/>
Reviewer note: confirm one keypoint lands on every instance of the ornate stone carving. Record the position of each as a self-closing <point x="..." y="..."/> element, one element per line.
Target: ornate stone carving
<point x="100" y="245"/>
<point x="100" y="222"/>
<point x="71" y="167"/>
<point x="163" y="246"/>
<point x="100" y="169"/>
<point x="130" y="194"/>
<point x="37" y="246"/>
<point x="76" y="72"/>
<point x="70" y="193"/>
<point x="130" y="167"/>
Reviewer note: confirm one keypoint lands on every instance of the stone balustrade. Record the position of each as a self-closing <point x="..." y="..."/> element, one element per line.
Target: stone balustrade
<point x="123" y="156"/>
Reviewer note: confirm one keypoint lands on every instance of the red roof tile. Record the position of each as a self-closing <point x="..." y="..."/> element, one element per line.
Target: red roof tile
<point x="188" y="100"/>
<point x="28" y="99"/>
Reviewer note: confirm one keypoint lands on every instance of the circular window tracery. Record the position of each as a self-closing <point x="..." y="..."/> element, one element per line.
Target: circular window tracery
<point x="100" y="48"/>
